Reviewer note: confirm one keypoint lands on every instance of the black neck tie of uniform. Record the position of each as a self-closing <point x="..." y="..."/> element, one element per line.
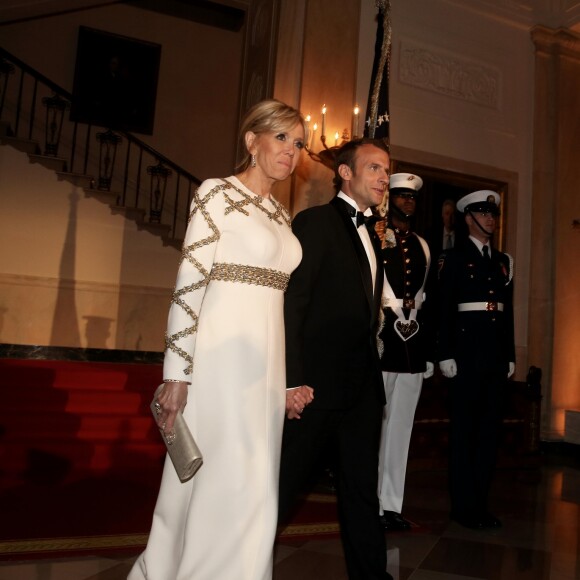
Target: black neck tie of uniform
<point x="486" y="255"/>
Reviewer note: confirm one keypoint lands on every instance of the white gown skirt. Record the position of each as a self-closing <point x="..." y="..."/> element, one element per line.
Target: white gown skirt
<point x="221" y="524"/>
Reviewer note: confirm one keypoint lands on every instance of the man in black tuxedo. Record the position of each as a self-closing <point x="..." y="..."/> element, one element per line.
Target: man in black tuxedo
<point x="331" y="313"/>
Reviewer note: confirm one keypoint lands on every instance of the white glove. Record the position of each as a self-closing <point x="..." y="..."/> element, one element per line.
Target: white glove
<point x="429" y="372"/>
<point x="512" y="369"/>
<point x="448" y="368"/>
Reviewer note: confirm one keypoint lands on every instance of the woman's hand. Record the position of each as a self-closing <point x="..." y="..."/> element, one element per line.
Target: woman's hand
<point x="297" y="399"/>
<point x="172" y="399"/>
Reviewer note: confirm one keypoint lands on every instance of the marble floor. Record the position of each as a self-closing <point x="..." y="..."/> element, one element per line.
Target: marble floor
<point x="539" y="540"/>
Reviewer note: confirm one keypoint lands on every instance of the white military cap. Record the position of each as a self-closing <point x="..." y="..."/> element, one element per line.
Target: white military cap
<point x="483" y="200"/>
<point x="405" y="181"/>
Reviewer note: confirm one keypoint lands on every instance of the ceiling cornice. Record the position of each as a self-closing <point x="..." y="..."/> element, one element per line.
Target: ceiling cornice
<point x="560" y="41"/>
<point x="13" y="11"/>
<point x="525" y="13"/>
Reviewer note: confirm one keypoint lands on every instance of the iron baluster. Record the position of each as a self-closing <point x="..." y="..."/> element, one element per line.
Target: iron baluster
<point x="126" y="177"/>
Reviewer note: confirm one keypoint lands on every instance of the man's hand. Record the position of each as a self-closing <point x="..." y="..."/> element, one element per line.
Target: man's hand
<point x="429" y="372"/>
<point x="448" y="368"/>
<point x="297" y="399"/>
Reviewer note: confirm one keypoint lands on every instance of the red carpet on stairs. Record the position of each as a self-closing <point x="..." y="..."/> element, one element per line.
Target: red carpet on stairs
<point x="81" y="459"/>
<point x="79" y="452"/>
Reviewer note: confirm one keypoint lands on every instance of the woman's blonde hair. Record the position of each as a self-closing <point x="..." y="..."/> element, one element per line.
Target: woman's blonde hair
<point x="269" y="116"/>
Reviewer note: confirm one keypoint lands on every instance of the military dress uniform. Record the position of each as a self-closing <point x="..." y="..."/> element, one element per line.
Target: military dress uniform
<point x="405" y="345"/>
<point x="476" y="330"/>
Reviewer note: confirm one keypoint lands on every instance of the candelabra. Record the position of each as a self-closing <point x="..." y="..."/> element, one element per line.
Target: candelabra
<point x="327" y="153"/>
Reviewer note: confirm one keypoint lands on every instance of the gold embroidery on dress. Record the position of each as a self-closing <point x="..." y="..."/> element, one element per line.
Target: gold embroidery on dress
<point x="224" y="272"/>
<point x="187" y="254"/>
<point x="257" y="201"/>
<point x="250" y="275"/>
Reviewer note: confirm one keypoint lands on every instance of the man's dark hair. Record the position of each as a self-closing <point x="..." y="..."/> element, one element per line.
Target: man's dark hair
<point x="346" y="155"/>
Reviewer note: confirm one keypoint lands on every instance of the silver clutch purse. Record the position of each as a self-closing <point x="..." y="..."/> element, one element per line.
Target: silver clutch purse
<point x="181" y="445"/>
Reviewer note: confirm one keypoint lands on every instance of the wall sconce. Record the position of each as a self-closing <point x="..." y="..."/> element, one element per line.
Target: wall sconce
<point x="377" y="125"/>
<point x="326" y="154"/>
<point x="55" y="108"/>
<point x="159" y="175"/>
<point x="108" y="143"/>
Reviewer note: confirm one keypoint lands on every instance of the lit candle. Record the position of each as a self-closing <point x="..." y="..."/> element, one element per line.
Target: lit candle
<point x="323" y="129"/>
<point x="314" y="127"/>
<point x="355" y="122"/>
<point x="307" y="122"/>
<point x="336" y="135"/>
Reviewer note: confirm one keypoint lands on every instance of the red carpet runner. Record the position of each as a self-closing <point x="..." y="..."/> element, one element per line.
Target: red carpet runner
<point x="80" y="460"/>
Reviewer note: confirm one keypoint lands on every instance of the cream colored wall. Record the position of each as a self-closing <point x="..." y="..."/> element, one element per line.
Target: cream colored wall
<point x="317" y="65"/>
<point x="460" y="99"/>
<point x="489" y="134"/>
<point x="440" y="120"/>
<point x="197" y="98"/>
<point x="71" y="272"/>
<point x="461" y="88"/>
<point x="555" y="278"/>
<point x="451" y="125"/>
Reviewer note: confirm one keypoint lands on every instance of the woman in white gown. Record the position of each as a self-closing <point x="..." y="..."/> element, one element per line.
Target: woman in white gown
<point x="224" y="366"/>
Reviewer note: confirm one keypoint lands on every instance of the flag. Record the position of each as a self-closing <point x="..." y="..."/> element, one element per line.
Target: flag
<point x="377" y="114"/>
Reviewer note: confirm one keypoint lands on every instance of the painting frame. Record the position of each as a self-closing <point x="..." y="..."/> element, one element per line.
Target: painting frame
<point x="115" y="81"/>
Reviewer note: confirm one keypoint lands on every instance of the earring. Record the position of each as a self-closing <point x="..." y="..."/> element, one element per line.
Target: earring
<point x="253" y="161"/>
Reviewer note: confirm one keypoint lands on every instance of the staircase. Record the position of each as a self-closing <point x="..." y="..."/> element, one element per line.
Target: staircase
<point x="71" y="419"/>
<point x="112" y="166"/>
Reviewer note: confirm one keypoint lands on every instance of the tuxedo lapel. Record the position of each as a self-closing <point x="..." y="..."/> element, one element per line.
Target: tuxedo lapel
<point x="342" y="207"/>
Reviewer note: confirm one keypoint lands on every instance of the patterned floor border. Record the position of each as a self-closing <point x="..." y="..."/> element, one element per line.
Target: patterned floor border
<point x="78" y="544"/>
<point x="63" y="546"/>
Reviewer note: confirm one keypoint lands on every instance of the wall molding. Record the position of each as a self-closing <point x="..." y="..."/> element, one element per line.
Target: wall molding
<point x="80" y="285"/>
<point x="447" y="74"/>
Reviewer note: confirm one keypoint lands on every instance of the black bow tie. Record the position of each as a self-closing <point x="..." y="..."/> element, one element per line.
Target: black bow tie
<point x="367" y="220"/>
<point x="361" y="218"/>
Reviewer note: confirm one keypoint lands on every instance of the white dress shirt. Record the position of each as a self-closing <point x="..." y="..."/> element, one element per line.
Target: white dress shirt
<point x="364" y="235"/>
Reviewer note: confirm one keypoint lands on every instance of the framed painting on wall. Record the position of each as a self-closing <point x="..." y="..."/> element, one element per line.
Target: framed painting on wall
<point x="115" y="82"/>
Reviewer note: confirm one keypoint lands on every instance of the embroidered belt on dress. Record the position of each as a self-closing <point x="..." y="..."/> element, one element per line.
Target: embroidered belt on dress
<point x="402" y="303"/>
<point x="250" y="275"/>
<point x="473" y="306"/>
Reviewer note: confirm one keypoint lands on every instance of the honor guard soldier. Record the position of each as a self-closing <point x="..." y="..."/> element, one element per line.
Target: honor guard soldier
<point x="475" y="349"/>
<point x="404" y="342"/>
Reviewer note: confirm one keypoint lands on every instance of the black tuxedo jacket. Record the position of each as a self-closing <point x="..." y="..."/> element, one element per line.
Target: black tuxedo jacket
<point x="331" y="310"/>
